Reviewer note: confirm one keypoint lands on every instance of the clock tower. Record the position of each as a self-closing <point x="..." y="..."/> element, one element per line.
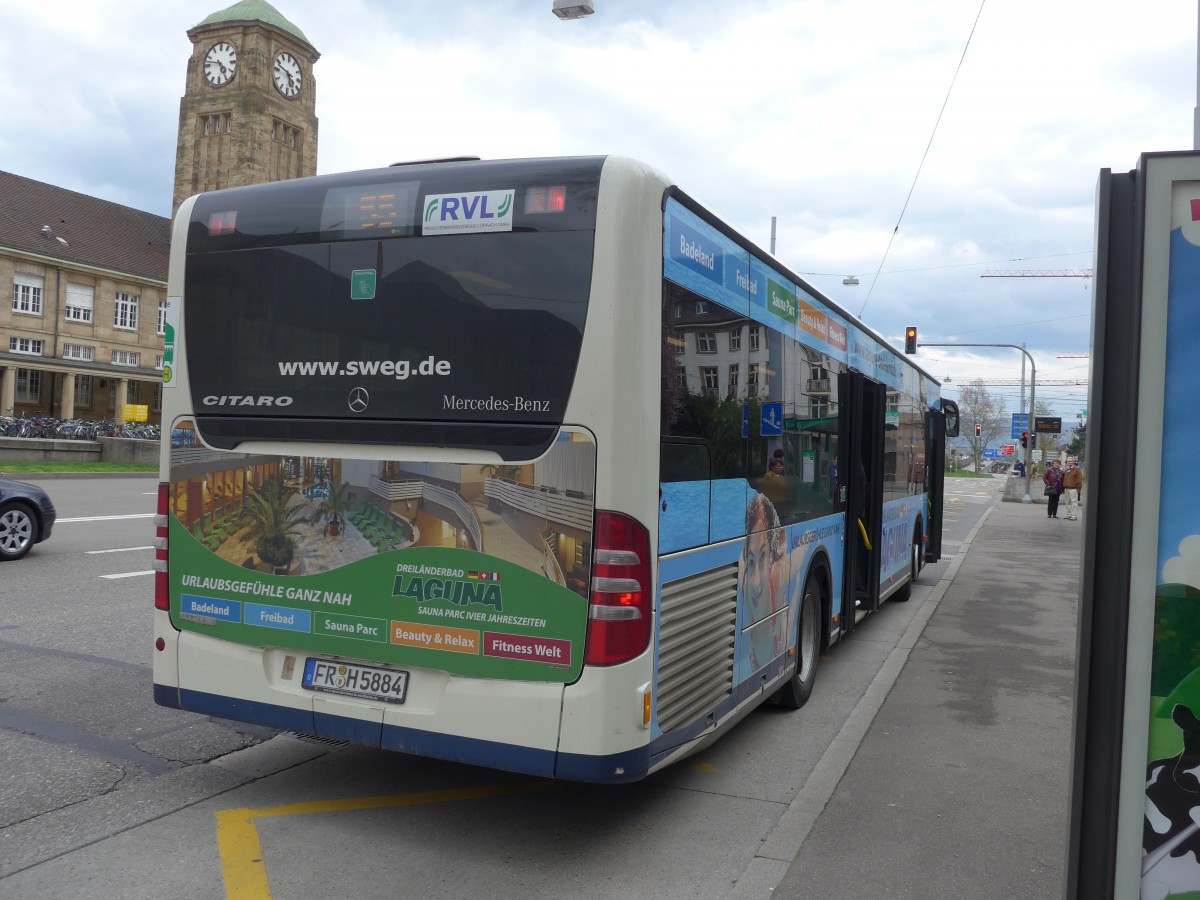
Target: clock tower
<point x="248" y="113"/>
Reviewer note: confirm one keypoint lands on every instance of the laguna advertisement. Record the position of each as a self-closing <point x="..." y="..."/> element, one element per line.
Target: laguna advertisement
<point x="474" y="570"/>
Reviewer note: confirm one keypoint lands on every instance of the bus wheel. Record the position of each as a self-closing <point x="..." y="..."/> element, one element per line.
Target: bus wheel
<point x="914" y="568"/>
<point x="799" y="687"/>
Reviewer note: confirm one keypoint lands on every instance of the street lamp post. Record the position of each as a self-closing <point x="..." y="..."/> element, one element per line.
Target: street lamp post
<point x="1032" y="407"/>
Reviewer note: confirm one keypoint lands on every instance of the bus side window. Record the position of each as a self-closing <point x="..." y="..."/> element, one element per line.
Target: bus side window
<point x="684" y="462"/>
<point x="685" y="473"/>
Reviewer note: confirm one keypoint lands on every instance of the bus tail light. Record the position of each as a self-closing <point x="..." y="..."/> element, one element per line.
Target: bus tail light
<point x="551" y="199"/>
<point x="619" y="614"/>
<point x="162" y="595"/>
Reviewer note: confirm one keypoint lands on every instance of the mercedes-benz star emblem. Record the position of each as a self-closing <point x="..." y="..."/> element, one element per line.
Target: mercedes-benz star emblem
<point x="358" y="399"/>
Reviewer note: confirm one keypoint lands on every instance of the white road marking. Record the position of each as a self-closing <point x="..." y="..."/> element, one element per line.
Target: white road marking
<point x="129" y="574"/>
<point x="118" y="550"/>
<point x="105" y="518"/>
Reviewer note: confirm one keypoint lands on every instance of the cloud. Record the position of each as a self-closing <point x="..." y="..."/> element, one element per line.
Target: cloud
<point x="815" y="112"/>
<point x="1184" y="568"/>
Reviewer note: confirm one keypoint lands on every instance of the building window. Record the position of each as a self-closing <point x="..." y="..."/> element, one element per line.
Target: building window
<point x="710" y="381"/>
<point x="677" y="341"/>
<point x="125" y="311"/>
<point x="79" y="303"/>
<point x="285" y="134"/>
<point x="701" y="307"/>
<point x="818" y="407"/>
<point x="735" y="339"/>
<point x="681" y="372"/>
<point x="217" y="123"/>
<point x="29" y="346"/>
<point x="131" y="392"/>
<point x="162" y="317"/>
<point x="27" y="294"/>
<point x="706" y="341"/>
<point x="157" y="402"/>
<point x="753" y="337"/>
<point x="733" y="381"/>
<point x="158" y="362"/>
<point x="29" y="386"/>
<point x="79" y="351"/>
<point x="752" y="382"/>
<point x="126" y="358"/>
<point x="83" y="391"/>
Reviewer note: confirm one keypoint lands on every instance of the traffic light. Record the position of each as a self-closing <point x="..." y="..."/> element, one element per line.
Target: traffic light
<point x="978" y="430"/>
<point x="910" y="339"/>
<point x="1024" y="438"/>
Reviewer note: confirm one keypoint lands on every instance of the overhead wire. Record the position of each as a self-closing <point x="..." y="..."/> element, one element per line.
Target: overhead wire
<point x="925" y="155"/>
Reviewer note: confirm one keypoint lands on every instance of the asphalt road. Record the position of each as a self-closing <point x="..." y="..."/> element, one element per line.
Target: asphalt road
<point x="105" y="794"/>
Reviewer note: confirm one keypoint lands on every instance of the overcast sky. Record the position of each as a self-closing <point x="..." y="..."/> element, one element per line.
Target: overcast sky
<point x="817" y="112"/>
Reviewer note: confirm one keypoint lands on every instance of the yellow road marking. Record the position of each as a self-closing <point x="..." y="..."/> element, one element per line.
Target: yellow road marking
<point x="242" y="863"/>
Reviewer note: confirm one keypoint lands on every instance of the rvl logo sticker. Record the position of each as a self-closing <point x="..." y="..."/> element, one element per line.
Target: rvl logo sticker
<point x="468" y="213"/>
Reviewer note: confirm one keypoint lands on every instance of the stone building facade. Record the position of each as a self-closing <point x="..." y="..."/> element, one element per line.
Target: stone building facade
<point x="81" y="334"/>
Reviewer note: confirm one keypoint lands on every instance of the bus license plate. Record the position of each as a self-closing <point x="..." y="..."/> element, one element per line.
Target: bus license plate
<point x="367" y="682"/>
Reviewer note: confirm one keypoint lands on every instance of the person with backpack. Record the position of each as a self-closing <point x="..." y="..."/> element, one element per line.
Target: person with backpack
<point x="1054" y="488"/>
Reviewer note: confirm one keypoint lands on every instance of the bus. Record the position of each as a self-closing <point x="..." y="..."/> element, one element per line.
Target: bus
<point x="529" y="464"/>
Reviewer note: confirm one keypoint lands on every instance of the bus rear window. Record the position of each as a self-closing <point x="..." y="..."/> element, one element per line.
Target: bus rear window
<point x="476" y="328"/>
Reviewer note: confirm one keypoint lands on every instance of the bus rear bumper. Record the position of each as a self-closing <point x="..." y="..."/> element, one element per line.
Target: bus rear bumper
<point x="632" y="765"/>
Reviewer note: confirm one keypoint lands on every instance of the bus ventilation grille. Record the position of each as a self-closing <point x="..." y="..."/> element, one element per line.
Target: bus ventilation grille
<point x="306" y="738"/>
<point x="697" y="625"/>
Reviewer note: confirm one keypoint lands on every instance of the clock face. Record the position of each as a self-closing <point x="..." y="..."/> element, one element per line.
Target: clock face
<point x="220" y="62"/>
<point x="288" y="78"/>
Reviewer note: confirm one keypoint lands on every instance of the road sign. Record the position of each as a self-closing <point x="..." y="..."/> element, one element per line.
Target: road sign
<point x="1047" y="424"/>
<point x="1008" y="449"/>
<point x="772" y="419"/>
<point x="1020" y="422"/>
<point x="991" y="453"/>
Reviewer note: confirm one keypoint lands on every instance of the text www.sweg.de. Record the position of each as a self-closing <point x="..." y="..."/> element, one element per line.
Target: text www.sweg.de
<point x="398" y="369"/>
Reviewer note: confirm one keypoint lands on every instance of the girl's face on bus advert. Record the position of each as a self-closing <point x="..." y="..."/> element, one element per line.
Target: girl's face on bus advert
<point x="758" y="574"/>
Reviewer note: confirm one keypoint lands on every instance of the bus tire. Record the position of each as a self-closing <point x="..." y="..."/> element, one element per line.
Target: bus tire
<point x="795" y="693"/>
<point x="914" y="567"/>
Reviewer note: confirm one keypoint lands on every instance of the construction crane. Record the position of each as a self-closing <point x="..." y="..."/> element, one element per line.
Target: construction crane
<point x="1037" y="273"/>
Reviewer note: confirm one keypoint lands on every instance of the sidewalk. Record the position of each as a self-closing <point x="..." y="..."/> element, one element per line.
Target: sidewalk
<point x="960" y="786"/>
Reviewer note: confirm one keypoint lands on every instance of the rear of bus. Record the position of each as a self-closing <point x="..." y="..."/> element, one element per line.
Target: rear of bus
<point x="394" y="505"/>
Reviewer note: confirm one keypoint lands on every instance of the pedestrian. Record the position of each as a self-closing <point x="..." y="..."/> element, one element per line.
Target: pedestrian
<point x="1053" y="482"/>
<point x="773" y="484"/>
<point x="1072" y="483"/>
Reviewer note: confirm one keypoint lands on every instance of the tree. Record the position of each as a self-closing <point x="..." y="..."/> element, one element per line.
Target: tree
<point x="333" y="508"/>
<point x="276" y="522"/>
<point x="1077" y="446"/>
<point x="976" y="406"/>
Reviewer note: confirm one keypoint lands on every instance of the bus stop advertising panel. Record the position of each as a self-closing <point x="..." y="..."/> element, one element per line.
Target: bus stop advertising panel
<point x="1135" y="799"/>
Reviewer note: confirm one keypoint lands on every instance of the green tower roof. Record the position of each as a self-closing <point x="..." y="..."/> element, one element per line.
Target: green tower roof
<point x="254" y="11"/>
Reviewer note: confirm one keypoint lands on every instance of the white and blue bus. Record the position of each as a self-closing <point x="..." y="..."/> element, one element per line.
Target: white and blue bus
<point x="531" y="464"/>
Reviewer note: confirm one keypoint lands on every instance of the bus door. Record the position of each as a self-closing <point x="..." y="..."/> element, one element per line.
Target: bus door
<point x="861" y="404"/>
<point x="935" y="477"/>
